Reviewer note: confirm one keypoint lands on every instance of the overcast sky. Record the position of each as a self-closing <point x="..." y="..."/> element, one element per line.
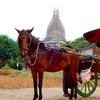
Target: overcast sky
<point x="77" y="16"/>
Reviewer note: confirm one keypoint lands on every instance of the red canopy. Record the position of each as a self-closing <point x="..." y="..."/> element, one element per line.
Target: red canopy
<point x="93" y="36"/>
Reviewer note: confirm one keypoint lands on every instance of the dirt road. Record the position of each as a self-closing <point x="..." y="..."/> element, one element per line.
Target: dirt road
<point x="16" y="87"/>
<point x="48" y="94"/>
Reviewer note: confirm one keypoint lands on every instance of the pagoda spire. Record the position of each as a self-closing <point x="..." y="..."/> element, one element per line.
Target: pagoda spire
<point x="55" y="30"/>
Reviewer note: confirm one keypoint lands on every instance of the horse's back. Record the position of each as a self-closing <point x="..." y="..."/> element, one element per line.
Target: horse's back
<point x="55" y="59"/>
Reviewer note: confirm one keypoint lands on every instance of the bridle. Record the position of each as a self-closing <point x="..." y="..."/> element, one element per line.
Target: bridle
<point x="24" y="49"/>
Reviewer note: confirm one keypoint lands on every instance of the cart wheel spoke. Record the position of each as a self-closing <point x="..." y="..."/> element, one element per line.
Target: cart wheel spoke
<point x="82" y="87"/>
<point x="88" y="87"/>
<point x="91" y="85"/>
<point x="85" y="88"/>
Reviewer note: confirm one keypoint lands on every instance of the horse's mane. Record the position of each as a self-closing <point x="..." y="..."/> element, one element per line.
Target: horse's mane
<point x="34" y="41"/>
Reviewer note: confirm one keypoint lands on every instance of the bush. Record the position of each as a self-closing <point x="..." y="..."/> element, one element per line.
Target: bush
<point x="5" y="67"/>
<point x="13" y="64"/>
<point x="0" y="66"/>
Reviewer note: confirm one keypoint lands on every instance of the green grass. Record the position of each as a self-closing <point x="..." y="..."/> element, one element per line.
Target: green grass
<point x="53" y="74"/>
<point x="28" y="73"/>
<point x="22" y="72"/>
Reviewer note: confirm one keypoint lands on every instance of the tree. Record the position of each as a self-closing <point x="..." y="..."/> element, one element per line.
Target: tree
<point x="79" y="42"/>
<point x="8" y="49"/>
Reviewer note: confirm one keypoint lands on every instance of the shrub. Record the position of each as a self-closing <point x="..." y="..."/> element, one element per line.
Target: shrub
<point x="13" y="64"/>
<point x="5" y="67"/>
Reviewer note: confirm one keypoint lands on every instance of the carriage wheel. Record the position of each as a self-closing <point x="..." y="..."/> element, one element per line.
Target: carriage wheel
<point x="88" y="88"/>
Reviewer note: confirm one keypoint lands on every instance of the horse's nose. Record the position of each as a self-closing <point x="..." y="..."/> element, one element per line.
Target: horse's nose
<point x="24" y="53"/>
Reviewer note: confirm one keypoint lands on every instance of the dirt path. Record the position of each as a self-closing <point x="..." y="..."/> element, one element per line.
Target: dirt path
<point x="48" y="94"/>
<point x="16" y="87"/>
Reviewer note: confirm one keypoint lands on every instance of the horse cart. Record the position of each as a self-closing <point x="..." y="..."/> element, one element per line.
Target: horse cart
<point x="89" y="64"/>
<point x="41" y="58"/>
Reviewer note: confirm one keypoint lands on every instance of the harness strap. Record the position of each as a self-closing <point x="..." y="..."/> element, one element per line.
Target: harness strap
<point x="51" y="58"/>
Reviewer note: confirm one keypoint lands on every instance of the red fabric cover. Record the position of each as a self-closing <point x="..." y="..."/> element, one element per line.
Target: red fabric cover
<point x="93" y="36"/>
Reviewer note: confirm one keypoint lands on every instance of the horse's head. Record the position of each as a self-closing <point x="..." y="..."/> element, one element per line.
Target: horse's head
<point x="24" y="41"/>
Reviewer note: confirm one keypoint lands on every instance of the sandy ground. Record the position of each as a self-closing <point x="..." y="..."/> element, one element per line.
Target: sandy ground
<point x="16" y="87"/>
<point x="48" y="94"/>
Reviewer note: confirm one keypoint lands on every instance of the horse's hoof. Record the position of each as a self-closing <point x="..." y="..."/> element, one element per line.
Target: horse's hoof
<point x="66" y="95"/>
<point x="70" y="98"/>
<point x="40" y="97"/>
<point x="35" y="98"/>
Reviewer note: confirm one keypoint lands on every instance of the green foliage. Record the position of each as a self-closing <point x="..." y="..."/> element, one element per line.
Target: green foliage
<point x="6" y="67"/>
<point x="13" y="64"/>
<point x="79" y="42"/>
<point x="8" y="49"/>
<point x="0" y="66"/>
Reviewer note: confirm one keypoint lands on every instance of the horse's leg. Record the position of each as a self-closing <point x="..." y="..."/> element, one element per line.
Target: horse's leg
<point x="40" y="84"/>
<point x="75" y="96"/>
<point x="35" y="90"/>
<point x="34" y="75"/>
<point x="68" y="76"/>
<point x="75" y="86"/>
<point x="71" y="94"/>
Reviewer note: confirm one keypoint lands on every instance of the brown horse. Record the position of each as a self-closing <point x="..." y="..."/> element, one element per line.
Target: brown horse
<point x="43" y="58"/>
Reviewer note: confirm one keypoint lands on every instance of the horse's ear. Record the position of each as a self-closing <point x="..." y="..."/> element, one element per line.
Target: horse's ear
<point x="29" y="31"/>
<point x="17" y="30"/>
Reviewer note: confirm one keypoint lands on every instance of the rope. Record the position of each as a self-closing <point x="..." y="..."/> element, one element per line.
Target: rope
<point x="37" y="52"/>
<point x="36" y="56"/>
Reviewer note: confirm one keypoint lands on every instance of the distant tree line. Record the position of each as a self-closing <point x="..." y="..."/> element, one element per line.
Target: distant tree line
<point x="9" y="50"/>
<point x="79" y="42"/>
